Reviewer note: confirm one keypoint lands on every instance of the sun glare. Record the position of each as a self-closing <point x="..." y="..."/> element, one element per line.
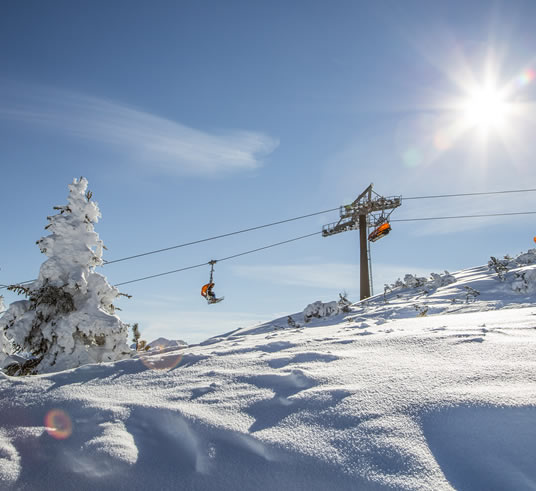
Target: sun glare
<point x="481" y="109"/>
<point x="485" y="108"/>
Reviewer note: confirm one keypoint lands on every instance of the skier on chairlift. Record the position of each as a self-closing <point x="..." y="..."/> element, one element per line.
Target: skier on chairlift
<point x="208" y="293"/>
<point x="206" y="290"/>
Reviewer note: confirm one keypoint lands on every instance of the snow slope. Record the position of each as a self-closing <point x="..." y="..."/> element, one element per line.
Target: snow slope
<point x="381" y="397"/>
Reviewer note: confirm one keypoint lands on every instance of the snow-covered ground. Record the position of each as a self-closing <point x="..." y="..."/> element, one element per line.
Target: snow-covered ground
<point x="431" y="387"/>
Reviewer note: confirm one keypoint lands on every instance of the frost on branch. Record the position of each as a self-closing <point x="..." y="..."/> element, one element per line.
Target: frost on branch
<point x="68" y="318"/>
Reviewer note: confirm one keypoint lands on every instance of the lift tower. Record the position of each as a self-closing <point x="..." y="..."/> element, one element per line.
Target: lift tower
<point x="364" y="211"/>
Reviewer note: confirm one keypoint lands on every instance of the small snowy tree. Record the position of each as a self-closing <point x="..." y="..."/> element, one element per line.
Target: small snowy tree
<point x="499" y="266"/>
<point x="292" y="323"/>
<point x="68" y="319"/>
<point x="344" y="303"/>
<point x="470" y="294"/>
<point x="141" y="344"/>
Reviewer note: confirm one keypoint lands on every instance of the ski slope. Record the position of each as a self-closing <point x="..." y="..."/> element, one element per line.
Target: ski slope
<point x="426" y="387"/>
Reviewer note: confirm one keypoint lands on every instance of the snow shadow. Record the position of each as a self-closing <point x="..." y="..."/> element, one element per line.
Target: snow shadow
<point x="488" y="448"/>
<point x="96" y="448"/>
<point x="190" y="359"/>
<point x="269" y="412"/>
<point x="87" y="373"/>
<point x="309" y="357"/>
<point x="272" y="347"/>
<point x="177" y="452"/>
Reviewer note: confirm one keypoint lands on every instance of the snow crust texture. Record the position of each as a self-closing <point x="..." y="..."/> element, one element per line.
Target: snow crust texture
<point x="418" y="389"/>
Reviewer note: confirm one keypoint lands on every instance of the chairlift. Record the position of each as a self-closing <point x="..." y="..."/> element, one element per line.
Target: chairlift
<point x="379" y="232"/>
<point x="206" y="290"/>
<point x="381" y="227"/>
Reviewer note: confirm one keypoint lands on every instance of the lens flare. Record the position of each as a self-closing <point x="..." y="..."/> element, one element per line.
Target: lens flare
<point x="58" y="424"/>
<point x="526" y="77"/>
<point x="412" y="157"/>
<point x="162" y="357"/>
<point x="442" y="140"/>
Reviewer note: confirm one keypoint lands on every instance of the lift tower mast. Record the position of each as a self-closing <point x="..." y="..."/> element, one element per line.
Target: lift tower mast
<point x="355" y="216"/>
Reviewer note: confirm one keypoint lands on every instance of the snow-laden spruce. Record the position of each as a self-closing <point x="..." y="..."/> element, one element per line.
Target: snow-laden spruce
<point x="4" y="344"/>
<point x="68" y="319"/>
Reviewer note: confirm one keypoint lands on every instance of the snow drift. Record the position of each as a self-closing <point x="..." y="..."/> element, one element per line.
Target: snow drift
<point x="419" y="388"/>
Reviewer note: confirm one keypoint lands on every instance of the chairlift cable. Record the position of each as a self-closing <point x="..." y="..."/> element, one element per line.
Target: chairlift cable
<point x="469" y="194"/>
<point x="220" y="236"/>
<point x="250" y="229"/>
<point x="219" y="260"/>
<point x="313" y="214"/>
<point x="161" y="274"/>
<point x="317" y="233"/>
<point x="310" y="235"/>
<point x="464" y="216"/>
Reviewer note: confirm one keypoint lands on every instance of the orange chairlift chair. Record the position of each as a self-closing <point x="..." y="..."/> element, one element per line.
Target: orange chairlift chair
<point x="380" y="231"/>
<point x="206" y="290"/>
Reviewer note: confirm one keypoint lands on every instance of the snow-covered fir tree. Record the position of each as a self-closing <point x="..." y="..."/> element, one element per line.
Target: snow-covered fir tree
<point x="4" y="344"/>
<point x="68" y="319"/>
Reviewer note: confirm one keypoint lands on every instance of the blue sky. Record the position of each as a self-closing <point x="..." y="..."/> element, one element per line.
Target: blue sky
<point x="193" y="119"/>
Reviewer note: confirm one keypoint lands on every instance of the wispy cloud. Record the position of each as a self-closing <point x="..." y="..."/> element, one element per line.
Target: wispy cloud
<point x="169" y="146"/>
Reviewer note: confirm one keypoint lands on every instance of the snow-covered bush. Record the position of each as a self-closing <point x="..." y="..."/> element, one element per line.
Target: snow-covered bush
<point x="524" y="259"/>
<point x="500" y="266"/>
<point x="438" y="280"/>
<point x="412" y="281"/>
<point x="525" y="281"/>
<point x="68" y="319"/>
<point x="320" y="309"/>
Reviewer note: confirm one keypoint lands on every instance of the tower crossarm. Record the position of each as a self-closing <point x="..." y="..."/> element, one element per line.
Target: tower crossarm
<point x="338" y="227"/>
<point x="366" y="207"/>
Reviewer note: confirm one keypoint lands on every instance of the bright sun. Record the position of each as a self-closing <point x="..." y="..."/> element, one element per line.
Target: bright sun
<point x="485" y="108"/>
<point x="480" y="111"/>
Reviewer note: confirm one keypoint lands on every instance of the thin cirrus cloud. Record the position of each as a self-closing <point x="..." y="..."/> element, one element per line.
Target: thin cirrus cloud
<point x="169" y="146"/>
